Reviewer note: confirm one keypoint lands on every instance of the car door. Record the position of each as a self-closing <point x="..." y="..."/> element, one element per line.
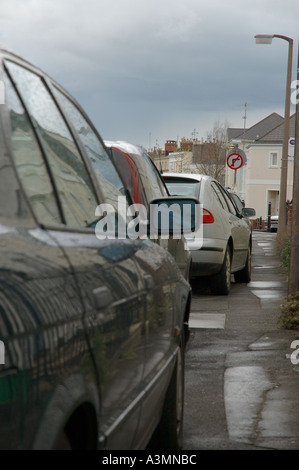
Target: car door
<point x="164" y="321"/>
<point x="41" y="309"/>
<point x="243" y="231"/>
<point x="238" y="230"/>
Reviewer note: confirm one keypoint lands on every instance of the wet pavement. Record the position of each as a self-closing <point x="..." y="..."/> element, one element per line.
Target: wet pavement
<point x="242" y="383"/>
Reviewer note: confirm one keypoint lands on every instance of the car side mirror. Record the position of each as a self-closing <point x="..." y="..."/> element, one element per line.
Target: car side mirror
<point x="248" y="212"/>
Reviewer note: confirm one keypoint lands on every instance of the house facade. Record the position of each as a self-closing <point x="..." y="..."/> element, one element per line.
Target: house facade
<point x="257" y="182"/>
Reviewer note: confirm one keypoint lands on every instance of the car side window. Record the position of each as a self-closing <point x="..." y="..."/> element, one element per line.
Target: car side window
<point x="161" y="183"/>
<point x="237" y="203"/>
<point x="128" y="171"/>
<point x="70" y="176"/>
<point x="219" y="195"/>
<point x="228" y="201"/>
<point x="29" y="161"/>
<point x="109" y="180"/>
<point x="151" y="180"/>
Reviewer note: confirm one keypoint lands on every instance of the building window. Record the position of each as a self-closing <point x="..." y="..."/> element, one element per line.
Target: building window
<point x="273" y="160"/>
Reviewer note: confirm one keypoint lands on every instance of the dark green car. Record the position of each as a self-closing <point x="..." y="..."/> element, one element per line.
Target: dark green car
<point x="91" y="328"/>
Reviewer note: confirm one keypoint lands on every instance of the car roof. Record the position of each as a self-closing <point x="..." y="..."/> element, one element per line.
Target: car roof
<point x="125" y="146"/>
<point x="193" y="176"/>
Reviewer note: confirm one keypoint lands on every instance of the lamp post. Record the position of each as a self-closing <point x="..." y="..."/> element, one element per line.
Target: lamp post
<point x="282" y="218"/>
<point x="294" y="265"/>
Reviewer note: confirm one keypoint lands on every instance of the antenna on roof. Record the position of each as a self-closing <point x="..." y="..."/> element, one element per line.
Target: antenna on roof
<point x="244" y="117"/>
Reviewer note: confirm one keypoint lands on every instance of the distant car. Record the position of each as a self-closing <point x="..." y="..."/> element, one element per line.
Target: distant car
<point x="144" y="183"/>
<point x="240" y="206"/>
<point x="239" y="203"/>
<point x="91" y="329"/>
<point x="227" y="243"/>
<point x="274" y="223"/>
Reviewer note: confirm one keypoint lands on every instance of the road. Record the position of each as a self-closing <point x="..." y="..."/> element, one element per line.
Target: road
<point x="241" y="388"/>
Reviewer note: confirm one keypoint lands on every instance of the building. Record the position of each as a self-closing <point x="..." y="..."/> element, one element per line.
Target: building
<point x="205" y="157"/>
<point x="257" y="182"/>
<point x="186" y="145"/>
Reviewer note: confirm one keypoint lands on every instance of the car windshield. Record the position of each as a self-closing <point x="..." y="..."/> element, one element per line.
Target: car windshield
<point x="182" y="186"/>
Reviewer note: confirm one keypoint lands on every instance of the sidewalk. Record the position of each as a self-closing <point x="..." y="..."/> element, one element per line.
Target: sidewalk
<point x="256" y="379"/>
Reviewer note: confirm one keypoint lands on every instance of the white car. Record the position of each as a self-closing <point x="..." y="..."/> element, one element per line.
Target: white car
<point x="226" y="245"/>
<point x="274" y="223"/>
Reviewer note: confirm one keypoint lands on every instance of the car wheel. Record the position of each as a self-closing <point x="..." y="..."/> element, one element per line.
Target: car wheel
<point x="220" y="282"/>
<point x="169" y="433"/>
<point x="245" y="274"/>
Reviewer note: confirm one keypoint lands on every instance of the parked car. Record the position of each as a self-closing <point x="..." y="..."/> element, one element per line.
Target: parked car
<point x="144" y="183"/>
<point x="226" y="243"/>
<point x="234" y="196"/>
<point x="91" y="329"/>
<point x="240" y="204"/>
<point x="274" y="223"/>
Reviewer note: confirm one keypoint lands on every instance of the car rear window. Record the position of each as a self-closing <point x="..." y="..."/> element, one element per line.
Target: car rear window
<point x="182" y="186"/>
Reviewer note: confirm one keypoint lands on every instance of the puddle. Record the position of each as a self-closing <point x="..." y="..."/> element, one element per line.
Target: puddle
<point x="264" y="267"/>
<point x="267" y="294"/>
<point x="264" y="284"/>
<point x="207" y="320"/>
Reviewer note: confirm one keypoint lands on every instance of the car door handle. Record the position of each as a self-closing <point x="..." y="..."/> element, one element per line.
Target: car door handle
<point x="102" y="297"/>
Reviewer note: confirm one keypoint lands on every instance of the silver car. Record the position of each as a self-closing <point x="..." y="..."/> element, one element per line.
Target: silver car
<point x="226" y="244"/>
<point x="143" y="182"/>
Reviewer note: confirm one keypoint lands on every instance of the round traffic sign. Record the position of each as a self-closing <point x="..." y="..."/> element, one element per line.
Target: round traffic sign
<point x="235" y="160"/>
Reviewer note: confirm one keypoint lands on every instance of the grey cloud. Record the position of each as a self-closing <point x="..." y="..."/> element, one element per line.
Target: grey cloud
<point x="160" y="67"/>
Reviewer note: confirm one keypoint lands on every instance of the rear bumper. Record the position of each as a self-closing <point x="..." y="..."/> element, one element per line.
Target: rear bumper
<point x="208" y="259"/>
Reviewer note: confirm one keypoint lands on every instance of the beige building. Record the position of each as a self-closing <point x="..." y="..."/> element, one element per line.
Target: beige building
<point x="257" y="182"/>
<point x="175" y="162"/>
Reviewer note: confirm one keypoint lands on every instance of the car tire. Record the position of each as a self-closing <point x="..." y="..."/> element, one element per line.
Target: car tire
<point x="245" y="274"/>
<point x="169" y="433"/>
<point x="221" y="282"/>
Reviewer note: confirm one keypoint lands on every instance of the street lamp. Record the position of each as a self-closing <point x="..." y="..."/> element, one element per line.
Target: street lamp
<point x="282" y="219"/>
<point x="293" y="286"/>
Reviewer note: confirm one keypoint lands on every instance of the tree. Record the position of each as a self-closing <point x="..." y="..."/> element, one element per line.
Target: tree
<point x="209" y="157"/>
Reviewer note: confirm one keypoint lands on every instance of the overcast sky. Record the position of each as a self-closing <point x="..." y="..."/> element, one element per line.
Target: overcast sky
<point x="150" y="70"/>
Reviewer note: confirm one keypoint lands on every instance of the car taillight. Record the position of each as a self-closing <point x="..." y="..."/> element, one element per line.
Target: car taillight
<point x="207" y="217"/>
